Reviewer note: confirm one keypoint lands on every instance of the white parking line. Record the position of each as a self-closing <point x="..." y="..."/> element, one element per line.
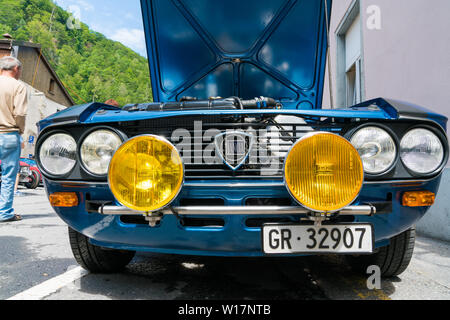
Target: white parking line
<point x="51" y="286"/>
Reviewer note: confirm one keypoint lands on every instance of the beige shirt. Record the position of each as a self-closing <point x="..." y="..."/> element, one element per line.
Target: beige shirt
<point x="13" y="105"/>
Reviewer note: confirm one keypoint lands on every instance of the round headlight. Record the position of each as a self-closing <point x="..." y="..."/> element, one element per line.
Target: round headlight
<point x="146" y="173"/>
<point x="58" y="154"/>
<point x="97" y="150"/>
<point x="377" y="149"/>
<point x="324" y="172"/>
<point x="422" y="151"/>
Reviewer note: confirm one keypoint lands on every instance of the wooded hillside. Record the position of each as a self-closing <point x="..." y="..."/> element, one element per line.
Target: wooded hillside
<point x="90" y="65"/>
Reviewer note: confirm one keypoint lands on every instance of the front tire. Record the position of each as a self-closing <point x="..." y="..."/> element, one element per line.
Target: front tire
<point x="96" y="259"/>
<point x="392" y="260"/>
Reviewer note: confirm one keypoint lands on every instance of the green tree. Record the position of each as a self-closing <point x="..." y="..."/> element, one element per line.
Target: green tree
<point x="89" y="64"/>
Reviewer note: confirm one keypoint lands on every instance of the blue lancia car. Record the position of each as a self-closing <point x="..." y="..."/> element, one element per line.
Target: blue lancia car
<point x="236" y="156"/>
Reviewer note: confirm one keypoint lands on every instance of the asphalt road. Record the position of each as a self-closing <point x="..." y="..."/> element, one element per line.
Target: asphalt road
<point x="36" y="257"/>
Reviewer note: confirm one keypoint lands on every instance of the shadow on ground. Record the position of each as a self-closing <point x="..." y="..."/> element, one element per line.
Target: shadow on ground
<point x="170" y="277"/>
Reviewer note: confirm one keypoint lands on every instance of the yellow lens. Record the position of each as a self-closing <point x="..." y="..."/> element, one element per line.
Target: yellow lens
<point x="324" y="172"/>
<point x="146" y="173"/>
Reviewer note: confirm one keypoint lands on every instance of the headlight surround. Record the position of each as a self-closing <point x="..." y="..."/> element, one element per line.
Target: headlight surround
<point x="58" y="154"/>
<point x="146" y="173"/>
<point x="422" y="151"/>
<point x="377" y="148"/>
<point x="97" y="150"/>
<point x="324" y="172"/>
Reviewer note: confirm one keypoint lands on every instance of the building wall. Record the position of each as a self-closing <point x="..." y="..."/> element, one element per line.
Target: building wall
<point x="4" y="53"/>
<point x="29" y="57"/>
<point x="338" y="11"/>
<point x="408" y="58"/>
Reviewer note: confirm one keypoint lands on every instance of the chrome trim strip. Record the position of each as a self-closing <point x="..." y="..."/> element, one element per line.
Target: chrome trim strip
<point x="236" y="210"/>
<point x="187" y="184"/>
<point x="281" y="184"/>
<point x="398" y="181"/>
<point x="239" y="184"/>
<point x="234" y="184"/>
<point x="79" y="183"/>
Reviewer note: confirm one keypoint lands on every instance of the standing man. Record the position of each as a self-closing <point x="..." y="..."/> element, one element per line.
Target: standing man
<point x="13" y="109"/>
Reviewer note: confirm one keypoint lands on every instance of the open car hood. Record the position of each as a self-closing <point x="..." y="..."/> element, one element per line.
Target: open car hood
<point x="244" y="48"/>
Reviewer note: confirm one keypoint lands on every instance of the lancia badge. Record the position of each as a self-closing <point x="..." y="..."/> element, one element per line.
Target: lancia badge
<point x="234" y="148"/>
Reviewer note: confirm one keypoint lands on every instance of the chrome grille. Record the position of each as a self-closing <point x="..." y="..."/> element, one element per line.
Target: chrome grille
<point x="273" y="140"/>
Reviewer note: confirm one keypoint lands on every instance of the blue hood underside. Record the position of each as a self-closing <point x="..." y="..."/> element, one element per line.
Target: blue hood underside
<point x="244" y="48"/>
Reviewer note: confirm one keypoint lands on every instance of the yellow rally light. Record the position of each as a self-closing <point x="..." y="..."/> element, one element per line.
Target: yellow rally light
<point x="324" y="172"/>
<point x="146" y="173"/>
<point x="418" y="199"/>
<point x="63" y="199"/>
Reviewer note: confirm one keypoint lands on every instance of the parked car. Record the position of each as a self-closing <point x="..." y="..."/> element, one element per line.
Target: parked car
<point x="276" y="175"/>
<point x="25" y="173"/>
<point x="35" y="178"/>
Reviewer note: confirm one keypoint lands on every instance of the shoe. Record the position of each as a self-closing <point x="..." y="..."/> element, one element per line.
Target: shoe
<point x="13" y="219"/>
<point x="19" y="194"/>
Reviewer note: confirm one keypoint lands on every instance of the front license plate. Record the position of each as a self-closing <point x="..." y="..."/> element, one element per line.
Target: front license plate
<point x="344" y="239"/>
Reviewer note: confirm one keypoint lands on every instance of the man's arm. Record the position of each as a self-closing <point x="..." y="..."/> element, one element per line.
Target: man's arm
<point x="21" y="107"/>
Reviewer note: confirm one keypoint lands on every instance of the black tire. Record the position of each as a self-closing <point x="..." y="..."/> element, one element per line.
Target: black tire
<point x="35" y="180"/>
<point x="392" y="260"/>
<point x="96" y="259"/>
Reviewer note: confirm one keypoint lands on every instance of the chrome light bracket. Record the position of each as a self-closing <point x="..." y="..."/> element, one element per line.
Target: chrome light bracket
<point x="362" y="210"/>
<point x="153" y="218"/>
<point x="318" y="218"/>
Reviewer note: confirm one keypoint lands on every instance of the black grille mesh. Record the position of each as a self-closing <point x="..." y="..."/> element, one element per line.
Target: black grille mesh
<point x="273" y="138"/>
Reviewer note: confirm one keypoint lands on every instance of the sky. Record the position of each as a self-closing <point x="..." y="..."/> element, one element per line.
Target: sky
<point x="118" y="20"/>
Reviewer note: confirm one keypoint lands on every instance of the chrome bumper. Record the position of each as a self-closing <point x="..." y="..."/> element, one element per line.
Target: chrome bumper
<point x="365" y="210"/>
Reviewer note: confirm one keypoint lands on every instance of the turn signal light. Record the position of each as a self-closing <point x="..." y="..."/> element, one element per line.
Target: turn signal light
<point x="64" y="199"/>
<point x="418" y="199"/>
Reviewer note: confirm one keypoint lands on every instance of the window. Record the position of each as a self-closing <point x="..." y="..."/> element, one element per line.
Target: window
<point x="350" y="59"/>
<point x="353" y="63"/>
<point x="51" y="87"/>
